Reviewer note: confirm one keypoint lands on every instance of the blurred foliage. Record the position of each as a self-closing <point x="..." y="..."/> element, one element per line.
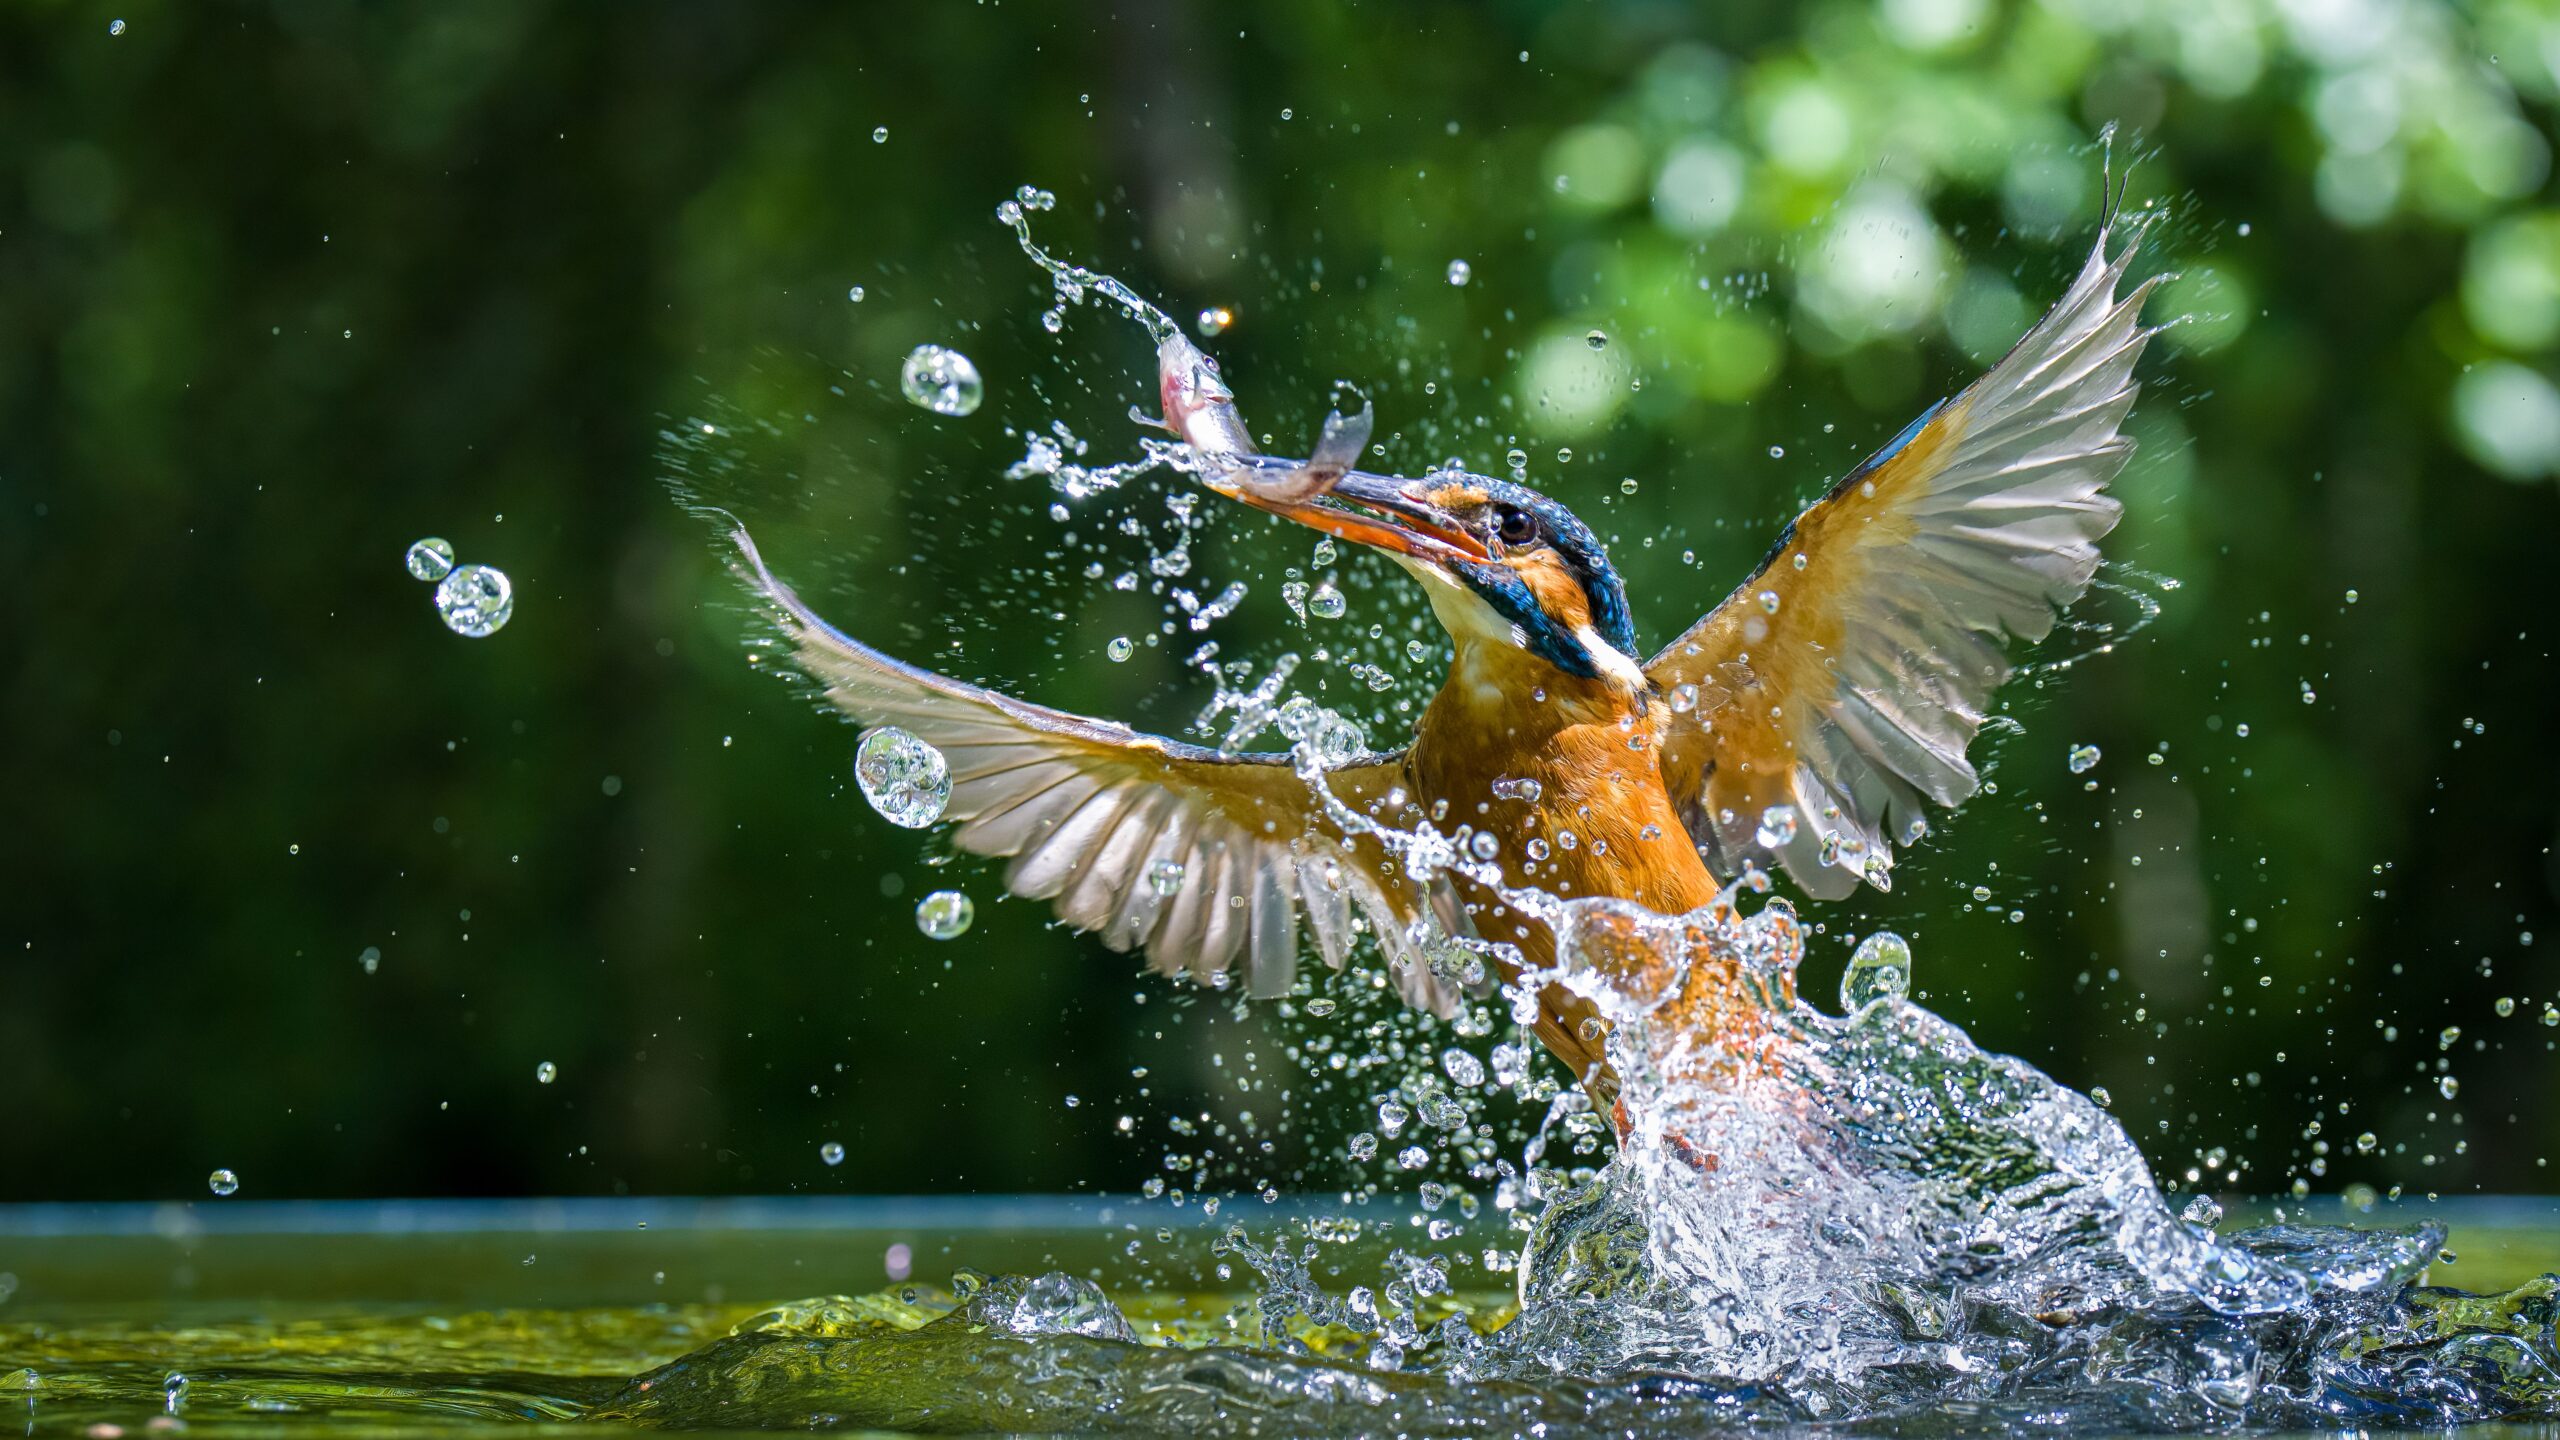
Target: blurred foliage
<point x="284" y="286"/>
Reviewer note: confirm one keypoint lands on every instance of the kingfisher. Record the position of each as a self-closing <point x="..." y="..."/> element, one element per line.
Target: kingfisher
<point x="1804" y="726"/>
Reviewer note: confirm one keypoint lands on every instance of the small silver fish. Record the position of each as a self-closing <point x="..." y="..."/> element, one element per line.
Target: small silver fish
<point x="1201" y="411"/>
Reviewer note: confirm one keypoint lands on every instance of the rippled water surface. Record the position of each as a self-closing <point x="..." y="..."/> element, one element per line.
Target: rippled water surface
<point x="387" y="1320"/>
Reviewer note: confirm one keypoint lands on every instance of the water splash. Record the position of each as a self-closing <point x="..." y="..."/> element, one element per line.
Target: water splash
<point x="1073" y="284"/>
<point x="1859" y="1218"/>
<point x="1869" y="1213"/>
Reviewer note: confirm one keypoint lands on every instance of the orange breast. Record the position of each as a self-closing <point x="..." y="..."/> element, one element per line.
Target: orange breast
<point x="1570" y="787"/>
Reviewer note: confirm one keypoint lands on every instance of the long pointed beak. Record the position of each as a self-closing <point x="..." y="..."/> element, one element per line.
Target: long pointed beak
<point x="1392" y="516"/>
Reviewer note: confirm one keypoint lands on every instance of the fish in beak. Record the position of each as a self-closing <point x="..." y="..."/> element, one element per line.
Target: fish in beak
<point x="1199" y="409"/>
<point x="1322" y="492"/>
<point x="1382" y="512"/>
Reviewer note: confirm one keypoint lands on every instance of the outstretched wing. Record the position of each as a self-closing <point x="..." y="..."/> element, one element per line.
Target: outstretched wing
<point x="1089" y="811"/>
<point x="1848" y="676"/>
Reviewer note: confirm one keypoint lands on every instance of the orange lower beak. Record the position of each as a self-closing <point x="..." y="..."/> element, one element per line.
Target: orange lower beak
<point x="1392" y="516"/>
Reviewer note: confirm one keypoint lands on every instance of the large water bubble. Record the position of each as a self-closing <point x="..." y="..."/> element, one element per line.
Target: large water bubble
<point x="941" y="380"/>
<point x="904" y="778"/>
<point x="945" y="915"/>
<point x="430" y="559"/>
<point x="1880" y="969"/>
<point x="476" y="600"/>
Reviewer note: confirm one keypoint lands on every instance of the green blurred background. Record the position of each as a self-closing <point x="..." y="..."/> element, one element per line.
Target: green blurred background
<point x="286" y="286"/>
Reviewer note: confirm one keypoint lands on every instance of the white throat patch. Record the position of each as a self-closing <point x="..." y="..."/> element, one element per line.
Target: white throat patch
<point x="1466" y="616"/>
<point x="1617" y="665"/>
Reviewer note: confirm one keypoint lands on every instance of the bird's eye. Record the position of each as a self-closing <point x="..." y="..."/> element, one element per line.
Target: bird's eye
<point x="1514" y="526"/>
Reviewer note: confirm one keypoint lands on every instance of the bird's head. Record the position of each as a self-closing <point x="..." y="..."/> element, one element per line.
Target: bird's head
<point x="1503" y="564"/>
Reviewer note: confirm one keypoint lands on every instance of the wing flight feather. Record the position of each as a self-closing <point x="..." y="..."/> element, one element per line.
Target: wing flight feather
<point x="1088" y="811"/>
<point x="1847" y="678"/>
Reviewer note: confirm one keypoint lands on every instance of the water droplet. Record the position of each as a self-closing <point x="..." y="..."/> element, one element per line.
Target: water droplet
<point x="1597" y="339"/>
<point x="2083" y="759"/>
<point x="2202" y="1210"/>
<point x="1777" y="452"/>
<point x="2352" y="597"/>
<point x="1880" y="969"/>
<point x="1462" y="1068"/>
<point x="1516" y="458"/>
<point x="430" y="559"/>
<point x="1215" y="320"/>
<point x="475" y="600"/>
<point x="1627" y="486"/>
<point x="2551" y="1014"/>
<point x="945" y="915"/>
<point x="1320" y="1006"/>
<point x="1460" y="272"/>
<point x="1165" y="877"/>
<point x="223" y="1182"/>
<point x="2449" y="1087"/>
<point x="370" y="959"/>
<point x="115" y="27"/>
<point x="1521" y="789"/>
<point x="1120" y="648"/>
<point x="2099" y="1094"/>
<point x="832" y="1153"/>
<point x="1564" y="455"/>
<point x="904" y="778"/>
<point x="1326" y="602"/>
<point x="2450" y="1035"/>
<point x="1769" y="601"/>
<point x="2240" y="730"/>
<point x="1684" y="698"/>
<point x="545" y="1073"/>
<point x="1287" y="114"/>
<point x="1777" y="827"/>
<point x="941" y="380"/>
<point x="2366" y="1142"/>
<point x="1483" y="845"/>
<point x="880" y="136"/>
<point x="2505" y="1006"/>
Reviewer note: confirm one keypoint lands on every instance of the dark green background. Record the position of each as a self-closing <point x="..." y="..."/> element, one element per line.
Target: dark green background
<point x="285" y="286"/>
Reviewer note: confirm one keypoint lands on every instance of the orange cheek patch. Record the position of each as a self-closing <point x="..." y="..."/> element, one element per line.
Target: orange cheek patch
<point x="1558" y="593"/>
